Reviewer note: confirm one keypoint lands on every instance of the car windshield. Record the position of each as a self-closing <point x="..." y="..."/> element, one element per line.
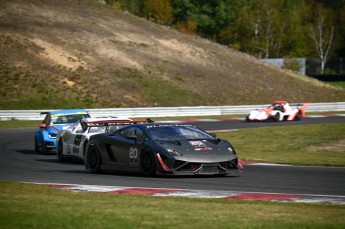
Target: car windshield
<point x="178" y="133"/>
<point x="66" y="119"/>
<point x="116" y="127"/>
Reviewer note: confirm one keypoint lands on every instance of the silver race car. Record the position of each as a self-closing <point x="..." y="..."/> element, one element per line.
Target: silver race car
<point x="72" y="141"/>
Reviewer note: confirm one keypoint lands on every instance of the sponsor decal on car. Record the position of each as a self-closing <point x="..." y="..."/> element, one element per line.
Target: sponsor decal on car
<point x="199" y="145"/>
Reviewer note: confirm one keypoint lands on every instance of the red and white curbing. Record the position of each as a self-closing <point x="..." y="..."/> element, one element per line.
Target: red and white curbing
<point x="226" y="195"/>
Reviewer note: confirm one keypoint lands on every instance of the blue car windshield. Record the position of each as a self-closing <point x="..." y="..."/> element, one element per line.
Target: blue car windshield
<point x="67" y="119"/>
<point x="178" y="133"/>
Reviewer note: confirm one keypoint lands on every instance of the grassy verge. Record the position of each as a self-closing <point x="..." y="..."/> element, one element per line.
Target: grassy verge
<point x="19" y="124"/>
<point x="291" y="144"/>
<point x="338" y="83"/>
<point x="35" y="206"/>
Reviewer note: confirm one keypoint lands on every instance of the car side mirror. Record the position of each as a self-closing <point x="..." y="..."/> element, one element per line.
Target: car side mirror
<point x="213" y="135"/>
<point x="43" y="125"/>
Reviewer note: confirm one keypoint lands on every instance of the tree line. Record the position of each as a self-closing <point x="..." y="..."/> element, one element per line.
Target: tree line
<point x="262" y="28"/>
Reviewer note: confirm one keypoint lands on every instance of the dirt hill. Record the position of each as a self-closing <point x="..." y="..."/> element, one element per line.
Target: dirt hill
<point x="69" y="54"/>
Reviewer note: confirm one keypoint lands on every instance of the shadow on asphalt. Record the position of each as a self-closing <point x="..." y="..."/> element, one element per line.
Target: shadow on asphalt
<point x="33" y="152"/>
<point x="56" y="161"/>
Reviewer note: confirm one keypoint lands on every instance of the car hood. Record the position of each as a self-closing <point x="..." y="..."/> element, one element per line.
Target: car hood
<point x="199" y="149"/>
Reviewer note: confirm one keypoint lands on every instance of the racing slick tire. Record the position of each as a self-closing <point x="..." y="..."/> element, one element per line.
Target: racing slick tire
<point x="148" y="164"/>
<point x="60" y="156"/>
<point x="94" y="160"/>
<point x="44" y="149"/>
<point x="277" y="117"/>
<point x="37" y="149"/>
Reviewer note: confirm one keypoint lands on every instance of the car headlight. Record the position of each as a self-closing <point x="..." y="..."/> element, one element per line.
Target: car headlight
<point x="174" y="152"/>
<point x="52" y="135"/>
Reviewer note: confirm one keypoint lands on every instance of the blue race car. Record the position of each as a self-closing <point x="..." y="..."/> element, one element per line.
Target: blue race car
<point x="45" y="137"/>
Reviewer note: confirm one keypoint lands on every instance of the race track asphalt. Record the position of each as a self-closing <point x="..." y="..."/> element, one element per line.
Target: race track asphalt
<point x="19" y="162"/>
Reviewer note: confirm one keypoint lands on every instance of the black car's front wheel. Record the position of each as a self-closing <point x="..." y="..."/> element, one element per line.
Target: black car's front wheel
<point x="148" y="164"/>
<point x="94" y="160"/>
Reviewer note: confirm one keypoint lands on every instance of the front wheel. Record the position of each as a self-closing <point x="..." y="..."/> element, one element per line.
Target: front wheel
<point x="44" y="149"/>
<point x="148" y="164"/>
<point x="37" y="149"/>
<point x="94" y="160"/>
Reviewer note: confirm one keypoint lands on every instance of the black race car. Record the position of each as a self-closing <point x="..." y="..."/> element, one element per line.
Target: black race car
<point x="161" y="148"/>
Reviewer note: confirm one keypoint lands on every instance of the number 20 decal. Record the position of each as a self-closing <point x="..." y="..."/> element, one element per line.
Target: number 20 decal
<point x="133" y="155"/>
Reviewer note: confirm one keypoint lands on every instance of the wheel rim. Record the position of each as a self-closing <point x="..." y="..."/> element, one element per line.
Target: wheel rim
<point x="147" y="163"/>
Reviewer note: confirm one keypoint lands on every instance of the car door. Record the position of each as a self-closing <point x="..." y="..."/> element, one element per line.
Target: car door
<point x="128" y="146"/>
<point x="74" y="140"/>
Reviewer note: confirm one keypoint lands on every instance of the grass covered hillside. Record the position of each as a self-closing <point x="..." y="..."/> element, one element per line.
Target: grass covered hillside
<point x="69" y="54"/>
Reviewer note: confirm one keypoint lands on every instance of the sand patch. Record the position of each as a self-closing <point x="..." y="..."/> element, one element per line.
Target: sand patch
<point x="57" y="55"/>
<point x="336" y="146"/>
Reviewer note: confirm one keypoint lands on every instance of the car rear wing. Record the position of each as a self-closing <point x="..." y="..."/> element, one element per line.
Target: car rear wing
<point x="108" y="122"/>
<point x="112" y="122"/>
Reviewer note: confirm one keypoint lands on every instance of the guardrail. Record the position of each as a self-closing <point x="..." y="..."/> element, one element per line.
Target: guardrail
<point x="168" y="111"/>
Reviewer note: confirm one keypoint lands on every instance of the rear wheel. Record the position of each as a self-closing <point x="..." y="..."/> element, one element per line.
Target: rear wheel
<point x="148" y="164"/>
<point x="271" y="119"/>
<point x="298" y="116"/>
<point x="277" y="117"/>
<point x="94" y="160"/>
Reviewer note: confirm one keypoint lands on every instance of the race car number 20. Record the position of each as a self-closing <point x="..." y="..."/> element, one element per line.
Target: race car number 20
<point x="133" y="155"/>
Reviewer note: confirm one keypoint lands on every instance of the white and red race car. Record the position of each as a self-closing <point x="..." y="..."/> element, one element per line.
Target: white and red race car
<point x="279" y="111"/>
